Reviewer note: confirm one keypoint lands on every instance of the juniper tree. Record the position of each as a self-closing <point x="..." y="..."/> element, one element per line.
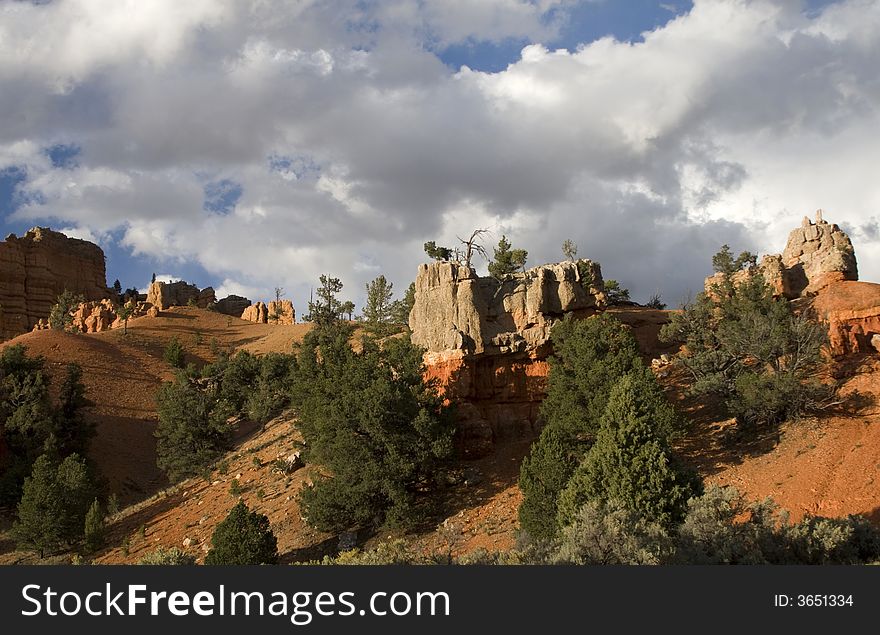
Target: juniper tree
<point x="244" y="537"/>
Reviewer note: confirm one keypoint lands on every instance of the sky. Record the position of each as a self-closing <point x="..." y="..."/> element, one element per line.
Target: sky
<point x="250" y="144"/>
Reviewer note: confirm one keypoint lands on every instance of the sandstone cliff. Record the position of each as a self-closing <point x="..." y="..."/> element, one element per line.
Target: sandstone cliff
<point x="487" y="340"/>
<point x="36" y="268"/>
<point x="163" y="295"/>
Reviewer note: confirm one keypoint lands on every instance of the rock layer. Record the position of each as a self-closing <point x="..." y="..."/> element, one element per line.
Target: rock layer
<point x="39" y="266"/>
<point x="232" y="305"/>
<point x="487" y="340"/>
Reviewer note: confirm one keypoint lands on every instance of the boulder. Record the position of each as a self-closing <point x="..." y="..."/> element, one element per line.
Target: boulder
<point x="232" y="305"/>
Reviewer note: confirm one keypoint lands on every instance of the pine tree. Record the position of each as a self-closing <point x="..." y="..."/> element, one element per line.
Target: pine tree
<point x="117" y="289"/>
<point x="403" y="307"/>
<point x="244" y="537"/>
<point x="437" y="253"/>
<point x="631" y="462"/>
<point x="327" y="308"/>
<point x="94" y="527"/>
<point x="570" y="249"/>
<point x="378" y="311"/>
<point x="60" y="317"/>
<point x="507" y="260"/>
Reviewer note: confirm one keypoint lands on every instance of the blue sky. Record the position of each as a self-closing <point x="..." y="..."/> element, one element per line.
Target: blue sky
<point x="244" y="152"/>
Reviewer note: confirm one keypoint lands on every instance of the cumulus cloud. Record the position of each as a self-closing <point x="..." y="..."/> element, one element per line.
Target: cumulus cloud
<point x="335" y="139"/>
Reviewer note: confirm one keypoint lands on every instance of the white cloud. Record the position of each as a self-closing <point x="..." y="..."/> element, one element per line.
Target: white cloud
<point x="353" y="144"/>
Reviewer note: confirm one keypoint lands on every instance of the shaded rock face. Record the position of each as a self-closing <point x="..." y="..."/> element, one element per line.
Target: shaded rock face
<point x="164" y="295"/>
<point x="852" y="311"/>
<point x="817" y="254"/>
<point x="232" y="305"/>
<point x="487" y="341"/>
<point x="36" y="268"/>
<point x="276" y="312"/>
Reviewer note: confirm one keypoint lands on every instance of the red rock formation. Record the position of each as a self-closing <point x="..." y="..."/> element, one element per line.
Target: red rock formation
<point x="488" y="341"/>
<point x="852" y="311"/>
<point x="276" y="312"/>
<point x="163" y="295"/>
<point x="36" y="268"/>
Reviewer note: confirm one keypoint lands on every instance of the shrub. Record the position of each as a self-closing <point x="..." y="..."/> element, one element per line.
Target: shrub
<point x="817" y="540"/>
<point x="174" y="353"/>
<point x="168" y="556"/>
<point x="631" y="461"/>
<point x="749" y="347"/>
<point x="369" y="418"/>
<point x="72" y="431"/>
<point x="612" y="533"/>
<point x="243" y="537"/>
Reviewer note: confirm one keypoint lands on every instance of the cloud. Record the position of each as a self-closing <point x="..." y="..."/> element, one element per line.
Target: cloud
<point x="270" y="147"/>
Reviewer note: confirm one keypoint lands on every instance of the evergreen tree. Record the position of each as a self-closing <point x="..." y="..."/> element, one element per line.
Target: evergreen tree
<point x="614" y="293"/>
<point x="403" y="307"/>
<point x="54" y="504"/>
<point x="327" y="308"/>
<point x="60" y="317"/>
<point x="379" y="309"/>
<point x="507" y="260"/>
<point x="589" y="356"/>
<point x="244" y="537"/>
<point x="124" y="313"/>
<point x="192" y="431"/>
<point x="174" y="353"/>
<point x="570" y="249"/>
<point x="94" y="527"/>
<point x="72" y="431"/>
<point x="117" y="289"/>
<point x="437" y="253"/>
<point x="370" y="419"/>
<point x="631" y="461"/>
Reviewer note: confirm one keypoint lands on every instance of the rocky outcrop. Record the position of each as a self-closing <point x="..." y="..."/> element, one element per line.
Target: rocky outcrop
<point x="164" y="295"/>
<point x="232" y="305"/>
<point x="36" y="268"/>
<point x="816" y="255"/>
<point x="276" y="312"/>
<point x="852" y="312"/>
<point x="103" y="315"/>
<point x="487" y="340"/>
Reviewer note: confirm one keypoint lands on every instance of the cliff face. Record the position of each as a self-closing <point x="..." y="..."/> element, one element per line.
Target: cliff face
<point x="487" y="340"/>
<point x="276" y="312"/>
<point x="39" y="266"/>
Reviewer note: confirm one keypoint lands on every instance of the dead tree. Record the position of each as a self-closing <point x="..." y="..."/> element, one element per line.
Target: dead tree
<point x="471" y="246"/>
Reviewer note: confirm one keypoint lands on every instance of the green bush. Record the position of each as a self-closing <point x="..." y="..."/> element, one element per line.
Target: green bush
<point x="242" y="538"/>
<point x="631" y="461"/>
<point x="749" y="347"/>
<point x="371" y="420"/>
<point x="167" y="557"/>
<point x="174" y="353"/>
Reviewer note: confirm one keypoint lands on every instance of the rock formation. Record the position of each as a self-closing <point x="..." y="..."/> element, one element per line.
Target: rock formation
<point x="96" y="317"/>
<point x="232" y="305"/>
<point x="817" y="254"/>
<point x="487" y="340"/>
<point x="163" y="295"/>
<point x="276" y="312"/>
<point x="39" y="266"/>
